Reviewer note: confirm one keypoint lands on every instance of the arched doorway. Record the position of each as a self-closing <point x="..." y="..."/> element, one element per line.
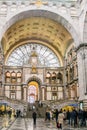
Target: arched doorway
<point x="33" y="91"/>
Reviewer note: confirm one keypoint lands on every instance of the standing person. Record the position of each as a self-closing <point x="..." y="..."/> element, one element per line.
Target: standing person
<point x="56" y="115"/>
<point x="46" y="115"/>
<point x="80" y="115"/>
<point x="75" y="117"/>
<point x="34" y="115"/>
<point x="61" y="119"/>
<point x="84" y="118"/>
<point x="68" y="117"/>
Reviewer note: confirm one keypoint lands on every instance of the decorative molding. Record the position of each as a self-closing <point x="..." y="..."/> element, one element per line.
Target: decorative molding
<point x="34" y="78"/>
<point x="81" y="46"/>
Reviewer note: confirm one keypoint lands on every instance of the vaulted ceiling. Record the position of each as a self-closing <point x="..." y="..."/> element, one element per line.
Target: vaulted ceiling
<point x="39" y="30"/>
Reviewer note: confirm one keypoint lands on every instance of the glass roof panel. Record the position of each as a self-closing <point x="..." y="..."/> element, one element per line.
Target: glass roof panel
<point x="21" y="56"/>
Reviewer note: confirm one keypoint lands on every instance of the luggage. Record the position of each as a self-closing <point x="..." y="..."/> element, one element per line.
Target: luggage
<point x="59" y="125"/>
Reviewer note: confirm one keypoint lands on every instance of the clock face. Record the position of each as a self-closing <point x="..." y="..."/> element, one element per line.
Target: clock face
<point x="34" y="60"/>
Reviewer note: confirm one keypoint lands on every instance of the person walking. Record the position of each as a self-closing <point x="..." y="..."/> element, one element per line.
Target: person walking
<point x="34" y="115"/>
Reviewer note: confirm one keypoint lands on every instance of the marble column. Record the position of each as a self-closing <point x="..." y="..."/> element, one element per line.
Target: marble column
<point x="82" y="71"/>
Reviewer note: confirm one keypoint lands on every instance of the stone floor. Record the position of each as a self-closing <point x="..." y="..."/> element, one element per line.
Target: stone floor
<point x="27" y="124"/>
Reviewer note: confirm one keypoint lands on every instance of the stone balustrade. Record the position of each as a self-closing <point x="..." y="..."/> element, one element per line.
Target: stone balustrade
<point x="60" y="103"/>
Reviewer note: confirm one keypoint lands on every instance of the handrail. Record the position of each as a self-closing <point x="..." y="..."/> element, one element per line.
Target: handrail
<point x="13" y="100"/>
<point x="60" y="103"/>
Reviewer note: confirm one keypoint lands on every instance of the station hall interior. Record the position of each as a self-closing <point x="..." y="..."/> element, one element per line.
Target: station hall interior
<point x="43" y="55"/>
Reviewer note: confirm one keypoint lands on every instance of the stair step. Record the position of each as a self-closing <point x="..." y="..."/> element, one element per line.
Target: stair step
<point x="40" y="110"/>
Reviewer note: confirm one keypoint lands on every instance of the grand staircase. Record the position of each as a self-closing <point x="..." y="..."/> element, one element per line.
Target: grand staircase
<point x="40" y="110"/>
<point x="47" y="105"/>
<point x="58" y="104"/>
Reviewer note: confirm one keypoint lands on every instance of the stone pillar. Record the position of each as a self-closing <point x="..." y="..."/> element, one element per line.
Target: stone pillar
<point x="1" y="72"/>
<point x="43" y="93"/>
<point x="64" y="80"/>
<point x="72" y="93"/>
<point x="67" y="92"/>
<point x="25" y="93"/>
<point x="82" y="71"/>
<point x="39" y="93"/>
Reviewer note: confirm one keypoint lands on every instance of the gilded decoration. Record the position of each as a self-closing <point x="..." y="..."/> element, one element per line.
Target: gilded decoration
<point x="38" y="29"/>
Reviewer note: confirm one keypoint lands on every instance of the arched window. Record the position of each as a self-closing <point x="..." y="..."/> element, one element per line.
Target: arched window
<point x="60" y="77"/>
<point x="21" y="56"/>
<point x="7" y="76"/>
<point x="13" y="77"/>
<point x="32" y="90"/>
<point x="48" y="75"/>
<point x="13" y="74"/>
<point x="53" y="76"/>
<point x="19" y="76"/>
<point x="32" y="93"/>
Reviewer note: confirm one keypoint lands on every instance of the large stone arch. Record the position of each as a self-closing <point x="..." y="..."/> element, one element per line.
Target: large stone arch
<point x="34" y="78"/>
<point x="48" y="13"/>
<point x="42" y="12"/>
<point x="38" y="80"/>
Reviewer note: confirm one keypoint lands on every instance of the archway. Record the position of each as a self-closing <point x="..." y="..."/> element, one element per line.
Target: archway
<point x="33" y="92"/>
<point x="54" y="18"/>
<point x="47" y="13"/>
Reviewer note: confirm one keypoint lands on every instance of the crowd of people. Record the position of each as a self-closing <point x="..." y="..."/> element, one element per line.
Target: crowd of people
<point x="74" y="118"/>
<point x="9" y="113"/>
<point x="77" y="118"/>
